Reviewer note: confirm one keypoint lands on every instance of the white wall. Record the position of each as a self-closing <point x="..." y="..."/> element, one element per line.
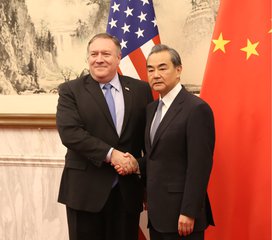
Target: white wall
<point x="31" y="162"/>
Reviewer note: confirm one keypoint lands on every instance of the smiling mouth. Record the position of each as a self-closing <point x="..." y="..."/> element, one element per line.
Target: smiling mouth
<point x="100" y="67"/>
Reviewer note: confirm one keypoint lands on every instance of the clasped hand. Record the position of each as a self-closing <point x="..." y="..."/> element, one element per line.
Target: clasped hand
<point x="124" y="163"/>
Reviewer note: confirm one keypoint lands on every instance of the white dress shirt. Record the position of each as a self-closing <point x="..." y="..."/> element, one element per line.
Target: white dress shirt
<point x="168" y="99"/>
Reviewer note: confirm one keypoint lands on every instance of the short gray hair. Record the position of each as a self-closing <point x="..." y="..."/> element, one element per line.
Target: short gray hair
<point x="175" y="57"/>
<point x="105" y="36"/>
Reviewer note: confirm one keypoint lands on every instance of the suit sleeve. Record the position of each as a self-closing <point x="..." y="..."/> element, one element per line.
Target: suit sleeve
<point x="72" y="132"/>
<point x="200" y="146"/>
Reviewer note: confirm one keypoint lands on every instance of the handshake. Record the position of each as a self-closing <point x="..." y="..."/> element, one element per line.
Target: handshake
<point x="124" y="163"/>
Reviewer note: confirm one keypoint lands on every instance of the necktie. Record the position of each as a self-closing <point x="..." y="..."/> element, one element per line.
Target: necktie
<point x="156" y="121"/>
<point x="111" y="105"/>
<point x="110" y="101"/>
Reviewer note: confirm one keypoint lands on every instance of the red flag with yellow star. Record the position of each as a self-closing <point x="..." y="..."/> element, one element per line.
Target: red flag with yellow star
<point x="237" y="85"/>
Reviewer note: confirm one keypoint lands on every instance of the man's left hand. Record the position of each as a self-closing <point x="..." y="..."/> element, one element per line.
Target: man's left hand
<point x="185" y="225"/>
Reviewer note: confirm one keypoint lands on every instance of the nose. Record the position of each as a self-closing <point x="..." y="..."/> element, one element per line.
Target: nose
<point x="99" y="58"/>
<point x="156" y="74"/>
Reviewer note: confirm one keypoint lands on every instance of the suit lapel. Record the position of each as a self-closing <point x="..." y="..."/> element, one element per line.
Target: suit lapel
<point x="94" y="89"/>
<point x="127" y="100"/>
<point x="175" y="108"/>
<point x="149" y="118"/>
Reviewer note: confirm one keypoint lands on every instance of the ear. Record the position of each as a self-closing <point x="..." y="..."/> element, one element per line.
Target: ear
<point x="119" y="57"/>
<point x="179" y="70"/>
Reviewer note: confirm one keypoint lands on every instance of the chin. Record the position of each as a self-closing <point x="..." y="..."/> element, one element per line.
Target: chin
<point x="100" y="75"/>
<point x="158" y="88"/>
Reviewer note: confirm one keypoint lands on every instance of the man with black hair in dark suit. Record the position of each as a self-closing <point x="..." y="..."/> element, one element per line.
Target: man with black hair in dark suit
<point x="179" y="143"/>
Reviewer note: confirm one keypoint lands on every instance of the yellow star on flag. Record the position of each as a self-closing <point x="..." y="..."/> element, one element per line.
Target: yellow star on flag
<point x="250" y="49"/>
<point x="220" y="43"/>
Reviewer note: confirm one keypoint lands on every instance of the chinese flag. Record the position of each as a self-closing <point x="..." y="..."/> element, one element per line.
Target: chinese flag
<point x="237" y="85"/>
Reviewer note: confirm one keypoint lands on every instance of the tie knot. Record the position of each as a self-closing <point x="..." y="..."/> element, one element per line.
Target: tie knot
<point x="107" y="86"/>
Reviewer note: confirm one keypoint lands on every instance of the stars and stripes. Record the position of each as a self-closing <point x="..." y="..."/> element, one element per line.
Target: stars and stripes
<point x="134" y="24"/>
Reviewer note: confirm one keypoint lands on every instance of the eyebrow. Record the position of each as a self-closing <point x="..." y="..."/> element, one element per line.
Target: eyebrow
<point x="160" y="65"/>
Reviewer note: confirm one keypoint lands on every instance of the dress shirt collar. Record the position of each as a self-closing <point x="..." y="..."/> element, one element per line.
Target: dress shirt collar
<point x="169" y="97"/>
<point x="115" y="82"/>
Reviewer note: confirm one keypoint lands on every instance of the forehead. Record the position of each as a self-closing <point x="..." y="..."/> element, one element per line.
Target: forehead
<point x="159" y="58"/>
<point x="102" y="44"/>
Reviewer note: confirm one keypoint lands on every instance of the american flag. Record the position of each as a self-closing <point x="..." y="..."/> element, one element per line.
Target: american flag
<point x="134" y="23"/>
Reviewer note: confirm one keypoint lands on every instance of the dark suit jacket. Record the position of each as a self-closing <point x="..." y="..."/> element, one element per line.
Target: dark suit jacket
<point x="86" y="128"/>
<point x="178" y="163"/>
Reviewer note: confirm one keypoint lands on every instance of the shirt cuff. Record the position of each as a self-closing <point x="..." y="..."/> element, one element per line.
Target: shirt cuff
<point x="108" y="157"/>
